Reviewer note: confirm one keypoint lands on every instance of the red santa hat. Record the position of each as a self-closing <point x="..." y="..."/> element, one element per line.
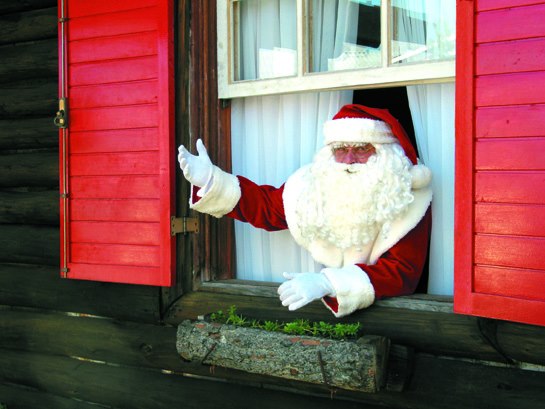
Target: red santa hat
<point x="360" y="124"/>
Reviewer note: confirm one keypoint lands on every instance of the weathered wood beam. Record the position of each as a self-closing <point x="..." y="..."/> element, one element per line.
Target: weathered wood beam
<point x="40" y="286"/>
<point x="36" y="59"/>
<point x="29" y="169"/>
<point x="443" y="333"/>
<point x="28" y="25"/>
<point x="10" y="6"/>
<point x="21" y="397"/>
<point x="28" y="133"/>
<point x="32" y="207"/>
<point x="36" y="97"/>
<point x="29" y="244"/>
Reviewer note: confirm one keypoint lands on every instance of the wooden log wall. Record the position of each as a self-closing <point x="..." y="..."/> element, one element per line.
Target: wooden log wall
<point x="68" y="344"/>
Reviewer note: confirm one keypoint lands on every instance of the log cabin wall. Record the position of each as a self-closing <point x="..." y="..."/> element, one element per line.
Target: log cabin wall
<point x="81" y="344"/>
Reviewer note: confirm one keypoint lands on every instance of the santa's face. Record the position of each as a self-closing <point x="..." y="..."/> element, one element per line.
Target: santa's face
<point x="353" y="153"/>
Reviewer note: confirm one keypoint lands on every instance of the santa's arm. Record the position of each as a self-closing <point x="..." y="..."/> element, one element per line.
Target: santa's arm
<point x="396" y="273"/>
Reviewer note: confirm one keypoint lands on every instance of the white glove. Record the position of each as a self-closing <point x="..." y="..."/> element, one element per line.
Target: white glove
<point x="197" y="168"/>
<point x="303" y="288"/>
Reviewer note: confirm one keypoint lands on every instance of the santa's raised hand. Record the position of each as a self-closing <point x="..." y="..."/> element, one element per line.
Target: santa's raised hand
<point x="197" y="169"/>
<point x="303" y="288"/>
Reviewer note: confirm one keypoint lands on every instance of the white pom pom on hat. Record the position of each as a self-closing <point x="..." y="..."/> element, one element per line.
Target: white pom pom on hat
<point x="356" y="123"/>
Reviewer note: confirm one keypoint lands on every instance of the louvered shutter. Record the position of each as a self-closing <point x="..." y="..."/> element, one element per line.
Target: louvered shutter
<point x="500" y="160"/>
<point x="117" y="156"/>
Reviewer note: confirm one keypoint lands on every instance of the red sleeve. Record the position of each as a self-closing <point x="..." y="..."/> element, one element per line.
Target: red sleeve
<point x="260" y="205"/>
<point x="398" y="271"/>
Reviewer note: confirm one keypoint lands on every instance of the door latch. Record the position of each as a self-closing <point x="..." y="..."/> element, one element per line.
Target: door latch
<point x="61" y="118"/>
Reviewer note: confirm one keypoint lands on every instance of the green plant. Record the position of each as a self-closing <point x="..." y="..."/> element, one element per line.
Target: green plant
<point x="296" y="327"/>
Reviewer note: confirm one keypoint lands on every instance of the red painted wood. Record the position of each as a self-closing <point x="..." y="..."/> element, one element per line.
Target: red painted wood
<point x="117" y="274"/>
<point x="510" y="154"/>
<point x="84" y="8"/>
<point x="115" y="254"/>
<point x="483" y="5"/>
<point x="510" y="89"/>
<point x="126" y="117"/>
<point x="510" y="282"/>
<point x="116" y="210"/>
<point x="113" y="48"/>
<point x="115" y="233"/>
<point x="509" y="122"/>
<point x="113" y="24"/>
<point x="115" y="187"/>
<point x="464" y="121"/>
<point x="510" y="251"/>
<point x="121" y="163"/>
<point x="122" y="140"/>
<point x="510" y="187"/>
<point x="108" y="95"/>
<point x="104" y="72"/>
<point x="511" y="24"/>
<point x="516" y="56"/>
<point x="510" y="219"/>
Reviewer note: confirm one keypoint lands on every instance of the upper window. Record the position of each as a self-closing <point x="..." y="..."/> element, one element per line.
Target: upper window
<point x="286" y="46"/>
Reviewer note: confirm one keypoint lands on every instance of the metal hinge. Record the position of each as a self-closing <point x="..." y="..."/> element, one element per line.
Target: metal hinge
<point x="61" y="118"/>
<point x="183" y="225"/>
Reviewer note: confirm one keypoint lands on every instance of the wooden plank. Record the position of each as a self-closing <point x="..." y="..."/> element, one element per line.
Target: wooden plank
<point x="505" y="122"/>
<point x="510" y="154"/>
<point x="510" y="187"/>
<point x="29" y="169"/>
<point x="510" y="89"/>
<point x="519" y="220"/>
<point x="93" y="119"/>
<point x="484" y="5"/>
<point x="88" y="381"/>
<point x="122" y="140"/>
<point x="101" y="25"/>
<point x="105" y="72"/>
<point x="28" y="133"/>
<point x="32" y="207"/>
<point x="28" y="26"/>
<point x="516" y="56"/>
<point x="115" y="187"/>
<point x="516" y="23"/>
<point x="114" y="254"/>
<point x="29" y="244"/>
<point x="28" y="98"/>
<point x="116" y="273"/>
<point x="37" y="59"/>
<point x="7" y="7"/>
<point x="510" y="282"/>
<point x="43" y="288"/>
<point x="110" y="164"/>
<point x="79" y="8"/>
<point x="129" y="210"/>
<point x="19" y="396"/>
<point x="131" y="93"/>
<point x="146" y="234"/>
<point x="113" y="48"/>
<point x="510" y="251"/>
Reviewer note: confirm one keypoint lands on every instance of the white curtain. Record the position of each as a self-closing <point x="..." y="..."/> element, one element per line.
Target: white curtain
<point x="273" y="136"/>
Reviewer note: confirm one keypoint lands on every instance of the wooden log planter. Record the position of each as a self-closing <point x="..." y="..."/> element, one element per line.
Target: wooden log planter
<point x="358" y="365"/>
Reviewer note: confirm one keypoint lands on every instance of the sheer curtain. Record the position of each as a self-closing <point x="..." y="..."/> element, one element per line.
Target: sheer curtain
<point x="432" y="111"/>
<point x="273" y="136"/>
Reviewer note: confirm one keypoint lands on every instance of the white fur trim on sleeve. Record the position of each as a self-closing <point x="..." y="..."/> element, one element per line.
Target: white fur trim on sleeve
<point x="220" y="197"/>
<point x="353" y="289"/>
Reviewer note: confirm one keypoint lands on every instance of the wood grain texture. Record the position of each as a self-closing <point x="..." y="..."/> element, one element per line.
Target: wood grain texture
<point x="28" y="26"/>
<point x="516" y="23"/>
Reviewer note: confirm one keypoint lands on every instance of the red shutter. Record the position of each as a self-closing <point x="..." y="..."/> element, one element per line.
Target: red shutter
<point x="500" y="160"/>
<point x="117" y="155"/>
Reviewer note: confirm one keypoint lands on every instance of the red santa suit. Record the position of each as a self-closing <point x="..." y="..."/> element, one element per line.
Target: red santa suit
<point x="390" y="265"/>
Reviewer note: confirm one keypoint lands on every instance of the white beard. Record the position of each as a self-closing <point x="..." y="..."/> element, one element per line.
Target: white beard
<point x="348" y="205"/>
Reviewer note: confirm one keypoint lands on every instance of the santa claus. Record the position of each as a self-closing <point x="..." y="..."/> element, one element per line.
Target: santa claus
<point x="361" y="208"/>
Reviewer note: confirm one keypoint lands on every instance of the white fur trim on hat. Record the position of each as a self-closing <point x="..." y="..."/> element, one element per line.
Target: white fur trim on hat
<point x="357" y="130"/>
<point x="421" y="176"/>
<point x="352" y="287"/>
<point x="220" y="197"/>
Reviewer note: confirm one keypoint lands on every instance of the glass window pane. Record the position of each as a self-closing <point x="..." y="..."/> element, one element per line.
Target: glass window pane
<point x="343" y="34"/>
<point x="265" y="37"/>
<point x="422" y="30"/>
